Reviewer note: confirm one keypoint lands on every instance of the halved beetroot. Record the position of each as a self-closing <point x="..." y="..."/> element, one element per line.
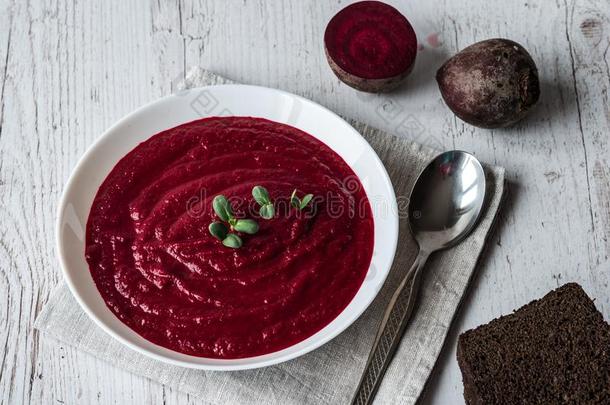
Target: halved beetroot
<point x="370" y="46"/>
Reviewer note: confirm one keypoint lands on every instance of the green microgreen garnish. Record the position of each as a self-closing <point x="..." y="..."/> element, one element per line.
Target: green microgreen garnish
<point x="261" y="196"/>
<point x="223" y="208"/>
<point x="298" y="203"/>
<point x="248" y="226"/>
<point x="232" y="241"/>
<point x="224" y="231"/>
<point x="267" y="211"/>
<point x="219" y="230"/>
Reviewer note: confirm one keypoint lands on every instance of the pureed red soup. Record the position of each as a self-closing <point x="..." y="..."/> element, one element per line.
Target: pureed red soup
<point x="164" y="275"/>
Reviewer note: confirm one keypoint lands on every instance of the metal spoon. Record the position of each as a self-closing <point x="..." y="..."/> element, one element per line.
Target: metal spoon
<point x="444" y="207"/>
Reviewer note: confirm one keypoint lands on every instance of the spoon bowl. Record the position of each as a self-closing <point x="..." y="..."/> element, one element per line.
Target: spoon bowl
<point x="447" y="200"/>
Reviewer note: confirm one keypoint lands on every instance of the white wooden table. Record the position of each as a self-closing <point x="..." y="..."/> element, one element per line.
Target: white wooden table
<point x="69" y="69"/>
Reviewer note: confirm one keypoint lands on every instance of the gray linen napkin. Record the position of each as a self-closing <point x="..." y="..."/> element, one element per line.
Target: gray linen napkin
<point x="329" y="374"/>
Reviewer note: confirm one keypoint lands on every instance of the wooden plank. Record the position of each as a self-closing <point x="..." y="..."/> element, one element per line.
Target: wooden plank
<point x="587" y="26"/>
<point x="6" y="20"/>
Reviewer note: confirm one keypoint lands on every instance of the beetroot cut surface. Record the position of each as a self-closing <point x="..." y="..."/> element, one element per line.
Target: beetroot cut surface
<point x="370" y="40"/>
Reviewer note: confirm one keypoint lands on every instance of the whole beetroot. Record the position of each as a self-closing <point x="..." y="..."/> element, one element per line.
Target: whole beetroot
<point x="490" y="84"/>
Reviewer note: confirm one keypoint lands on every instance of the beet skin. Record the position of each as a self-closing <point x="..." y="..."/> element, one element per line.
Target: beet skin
<point x="370" y="46"/>
<point x="490" y="84"/>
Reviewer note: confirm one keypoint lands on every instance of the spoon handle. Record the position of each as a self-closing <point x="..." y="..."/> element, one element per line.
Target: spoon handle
<point x="391" y="328"/>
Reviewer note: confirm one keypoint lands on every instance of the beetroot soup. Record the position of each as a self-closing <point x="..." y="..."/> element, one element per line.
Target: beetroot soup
<point x="163" y="274"/>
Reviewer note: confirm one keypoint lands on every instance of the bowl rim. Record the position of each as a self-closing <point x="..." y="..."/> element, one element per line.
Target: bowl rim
<point x="93" y="148"/>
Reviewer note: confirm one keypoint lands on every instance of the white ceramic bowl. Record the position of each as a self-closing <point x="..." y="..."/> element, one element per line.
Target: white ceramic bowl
<point x="237" y="100"/>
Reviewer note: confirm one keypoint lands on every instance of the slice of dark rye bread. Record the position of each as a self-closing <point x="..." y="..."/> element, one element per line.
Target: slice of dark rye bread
<point x="555" y="350"/>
